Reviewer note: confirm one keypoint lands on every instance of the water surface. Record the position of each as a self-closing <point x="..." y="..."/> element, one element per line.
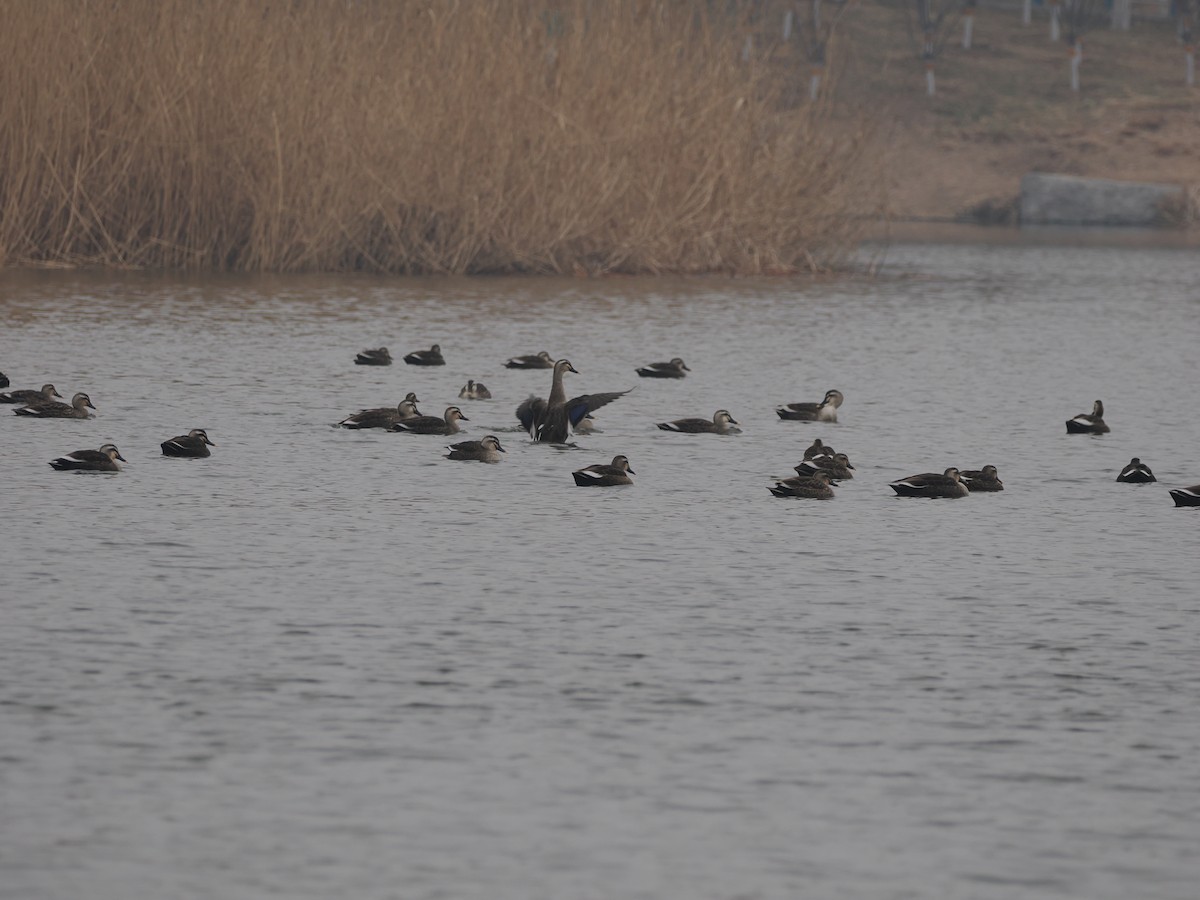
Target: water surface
<point x="330" y="662"/>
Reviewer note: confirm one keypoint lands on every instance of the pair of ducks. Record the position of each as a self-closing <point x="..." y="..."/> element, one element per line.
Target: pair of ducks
<point x="488" y="450"/>
<point x="951" y="483"/>
<point x="1137" y="472"/>
<point x="675" y="368"/>
<point x="381" y="357"/>
<point x="406" y="417"/>
<point x="41" y="404"/>
<point x="193" y="445"/>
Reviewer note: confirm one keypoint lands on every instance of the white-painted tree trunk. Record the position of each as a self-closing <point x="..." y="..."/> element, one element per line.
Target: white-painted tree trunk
<point x="1076" y="59"/>
<point x="814" y="85"/>
<point x="930" y="82"/>
<point x="747" y="49"/>
<point x="1122" y="15"/>
<point x="787" y="25"/>
<point x="968" y="28"/>
<point x="1026" y="12"/>
<point x="1190" y="68"/>
<point x="1055" y="32"/>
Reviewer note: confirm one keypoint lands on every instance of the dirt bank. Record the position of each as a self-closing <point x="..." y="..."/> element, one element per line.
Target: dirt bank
<point x="1005" y="107"/>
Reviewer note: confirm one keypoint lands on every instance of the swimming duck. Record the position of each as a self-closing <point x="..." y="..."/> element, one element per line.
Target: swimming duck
<point x="818" y="450"/>
<point x="930" y="484"/>
<point x="541" y="360"/>
<point x="981" y="480"/>
<point x="31" y="397"/>
<point x="3" y="380"/>
<point x="193" y="445"/>
<point x="76" y="409"/>
<point x="430" y="357"/>
<point x="816" y="486"/>
<point x="836" y="466"/>
<point x="1188" y="496"/>
<point x="474" y="390"/>
<point x="1089" y="424"/>
<point x="385" y="416"/>
<point x="487" y="450"/>
<point x="550" y="420"/>
<point x="586" y="425"/>
<point x="1137" y="472"/>
<point x="600" y="475"/>
<point x="102" y="460"/>
<point x="673" y="369"/>
<point x="377" y="357"/>
<point x="825" y="411"/>
<point x="448" y="424"/>
<point x="722" y="423"/>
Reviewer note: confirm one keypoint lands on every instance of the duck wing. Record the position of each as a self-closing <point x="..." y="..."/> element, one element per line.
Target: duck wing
<point x="50" y="409"/>
<point x="578" y="407"/>
<point x="531" y="412"/>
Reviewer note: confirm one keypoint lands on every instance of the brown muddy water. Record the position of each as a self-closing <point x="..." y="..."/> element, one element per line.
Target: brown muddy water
<point x="325" y="662"/>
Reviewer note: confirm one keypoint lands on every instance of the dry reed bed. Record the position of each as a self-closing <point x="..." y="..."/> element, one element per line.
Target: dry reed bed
<point x="404" y="137"/>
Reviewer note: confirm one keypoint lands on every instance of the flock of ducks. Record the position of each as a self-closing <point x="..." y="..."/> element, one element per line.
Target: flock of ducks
<point x="554" y="418"/>
<point x="40" y="404"/>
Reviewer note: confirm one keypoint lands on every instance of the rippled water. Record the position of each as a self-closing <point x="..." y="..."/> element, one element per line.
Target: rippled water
<point x="327" y="663"/>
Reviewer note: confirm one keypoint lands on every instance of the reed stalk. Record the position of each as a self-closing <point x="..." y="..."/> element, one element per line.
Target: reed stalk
<point x="446" y="136"/>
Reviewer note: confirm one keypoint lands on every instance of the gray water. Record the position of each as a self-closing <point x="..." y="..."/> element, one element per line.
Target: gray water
<point x="331" y="663"/>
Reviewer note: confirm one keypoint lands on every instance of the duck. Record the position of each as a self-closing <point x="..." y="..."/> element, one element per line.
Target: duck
<point x="819" y="450"/>
<point x="31" y="397"/>
<point x="981" y="480"/>
<point x="722" y="423"/>
<point x="817" y="486"/>
<point x="1188" y="496"/>
<point x="474" y="390"/>
<point x="430" y="357"/>
<point x="836" y="466"/>
<point x="102" y="460"/>
<point x="76" y="409"/>
<point x="549" y="421"/>
<point x="586" y="425"/>
<point x="376" y="357"/>
<point x="1137" y="472"/>
<point x="673" y="369"/>
<point x="600" y="475"/>
<point x="448" y="424"/>
<point x="930" y="484"/>
<point x="487" y="450"/>
<point x="3" y="380"/>
<point x="385" y="416"/>
<point x="1089" y="424"/>
<point x="825" y="411"/>
<point x="542" y="360"/>
<point x="193" y="445"/>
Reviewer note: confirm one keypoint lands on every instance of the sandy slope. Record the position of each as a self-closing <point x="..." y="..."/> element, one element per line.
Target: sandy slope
<point x="1005" y="107"/>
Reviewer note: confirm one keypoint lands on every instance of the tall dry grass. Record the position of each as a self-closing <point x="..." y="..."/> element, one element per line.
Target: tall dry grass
<point x="458" y="136"/>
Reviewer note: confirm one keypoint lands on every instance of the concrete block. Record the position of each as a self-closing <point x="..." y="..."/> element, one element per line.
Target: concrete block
<point x="1070" y="200"/>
